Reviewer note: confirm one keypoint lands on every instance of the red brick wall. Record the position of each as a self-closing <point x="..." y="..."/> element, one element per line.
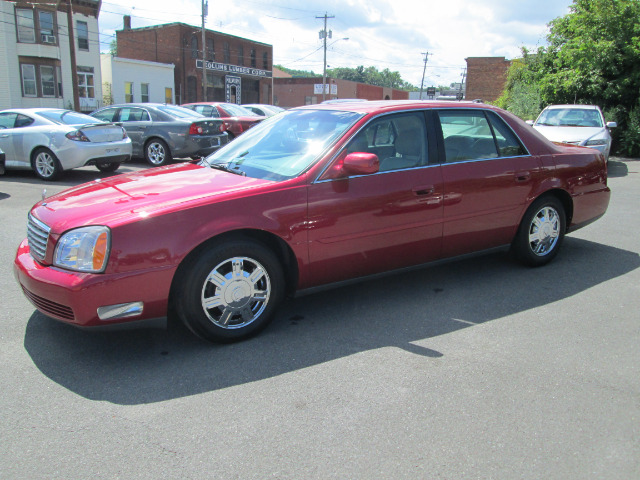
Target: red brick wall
<point x="171" y="44"/>
<point x="486" y="77"/>
<point x="293" y="92"/>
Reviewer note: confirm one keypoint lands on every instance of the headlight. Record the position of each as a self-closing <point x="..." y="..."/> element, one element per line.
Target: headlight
<point x="84" y="249"/>
<point x="601" y="141"/>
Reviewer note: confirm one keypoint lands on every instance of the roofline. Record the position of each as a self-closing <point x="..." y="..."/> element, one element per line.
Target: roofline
<point x="181" y="24"/>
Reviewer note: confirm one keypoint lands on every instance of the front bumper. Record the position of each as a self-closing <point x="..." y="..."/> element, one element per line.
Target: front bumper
<point x="76" y="298"/>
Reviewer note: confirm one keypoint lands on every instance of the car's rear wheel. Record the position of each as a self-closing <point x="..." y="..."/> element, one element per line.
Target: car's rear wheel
<point x="541" y="232"/>
<point x="230" y="292"/>
<point x="107" y="167"/>
<point x="157" y="153"/>
<point x="45" y="164"/>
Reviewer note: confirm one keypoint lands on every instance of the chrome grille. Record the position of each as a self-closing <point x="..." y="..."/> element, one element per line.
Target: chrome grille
<point x="38" y="237"/>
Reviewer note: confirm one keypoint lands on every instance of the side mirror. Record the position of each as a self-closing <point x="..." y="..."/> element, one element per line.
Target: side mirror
<point x="612" y="124"/>
<point x="529" y="122"/>
<point x="360" y="163"/>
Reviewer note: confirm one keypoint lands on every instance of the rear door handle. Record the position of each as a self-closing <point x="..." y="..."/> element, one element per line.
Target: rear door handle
<point x="523" y="176"/>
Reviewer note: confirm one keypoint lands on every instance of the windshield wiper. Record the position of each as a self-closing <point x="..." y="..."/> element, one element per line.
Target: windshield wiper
<point x="226" y="168"/>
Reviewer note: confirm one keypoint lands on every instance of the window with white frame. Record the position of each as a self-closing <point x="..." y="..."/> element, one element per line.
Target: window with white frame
<point x="86" y="85"/>
<point x="144" y="92"/>
<point x="40" y="78"/>
<point x="47" y="81"/>
<point x="25" y="25"/>
<point x="128" y="92"/>
<point x="36" y="26"/>
<point x="45" y="19"/>
<point x="82" y="32"/>
<point x="29" y="83"/>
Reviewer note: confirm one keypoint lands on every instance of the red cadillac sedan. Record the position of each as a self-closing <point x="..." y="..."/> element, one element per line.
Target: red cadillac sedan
<point x="314" y="196"/>
<point x="237" y="119"/>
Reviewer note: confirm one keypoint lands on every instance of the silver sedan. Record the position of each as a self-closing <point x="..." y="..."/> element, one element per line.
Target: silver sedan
<point x="51" y="140"/>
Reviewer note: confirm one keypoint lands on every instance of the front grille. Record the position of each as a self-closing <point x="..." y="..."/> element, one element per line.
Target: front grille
<point x="50" y="308"/>
<point x="38" y="237"/>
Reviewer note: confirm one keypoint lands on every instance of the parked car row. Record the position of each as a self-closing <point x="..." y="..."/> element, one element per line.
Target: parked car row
<point x="51" y="140"/>
<point x="313" y="196"/>
<point x="236" y="118"/>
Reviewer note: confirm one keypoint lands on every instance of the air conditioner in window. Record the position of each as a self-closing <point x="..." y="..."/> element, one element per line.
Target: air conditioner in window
<point x="48" y="38"/>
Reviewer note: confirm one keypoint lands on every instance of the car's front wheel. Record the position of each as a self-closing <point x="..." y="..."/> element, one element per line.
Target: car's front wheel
<point x="45" y="164"/>
<point x="157" y="153"/>
<point x="541" y="232"/>
<point x="230" y="292"/>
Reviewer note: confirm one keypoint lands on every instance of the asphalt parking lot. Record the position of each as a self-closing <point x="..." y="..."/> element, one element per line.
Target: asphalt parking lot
<point x="480" y="369"/>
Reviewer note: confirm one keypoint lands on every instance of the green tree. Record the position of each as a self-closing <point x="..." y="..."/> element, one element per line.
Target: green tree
<point x="593" y="57"/>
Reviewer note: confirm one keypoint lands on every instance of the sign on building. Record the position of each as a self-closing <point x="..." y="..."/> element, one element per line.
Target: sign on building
<point x="317" y="89"/>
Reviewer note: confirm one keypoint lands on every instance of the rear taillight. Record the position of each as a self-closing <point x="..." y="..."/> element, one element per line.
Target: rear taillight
<point x="124" y="134"/>
<point x="222" y="128"/>
<point x="195" y="129"/>
<point x="77" y="136"/>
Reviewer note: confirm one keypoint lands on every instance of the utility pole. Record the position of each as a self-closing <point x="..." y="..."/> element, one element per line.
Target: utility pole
<point x="464" y="75"/>
<point x="424" y="70"/>
<point x="323" y="35"/>
<point x="205" y="9"/>
<point x="72" y="54"/>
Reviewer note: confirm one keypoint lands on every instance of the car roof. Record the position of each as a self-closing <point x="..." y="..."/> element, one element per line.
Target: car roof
<point x="140" y="105"/>
<point x="576" y="107"/>
<point x="36" y="110"/>
<point x="392" y="105"/>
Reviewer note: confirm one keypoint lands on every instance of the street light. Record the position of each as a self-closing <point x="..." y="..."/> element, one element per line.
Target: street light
<point x="324" y="70"/>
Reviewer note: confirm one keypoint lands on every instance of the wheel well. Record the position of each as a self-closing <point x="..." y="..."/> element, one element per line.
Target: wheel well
<point x="151" y="139"/>
<point x="278" y="246"/>
<point x="40" y="147"/>
<point x="566" y="201"/>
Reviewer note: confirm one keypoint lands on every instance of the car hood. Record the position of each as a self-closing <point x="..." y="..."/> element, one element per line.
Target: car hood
<point x="128" y="197"/>
<point x="571" y="134"/>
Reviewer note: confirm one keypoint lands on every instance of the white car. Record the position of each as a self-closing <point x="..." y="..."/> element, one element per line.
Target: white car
<point x="50" y="140"/>
<point x="582" y="125"/>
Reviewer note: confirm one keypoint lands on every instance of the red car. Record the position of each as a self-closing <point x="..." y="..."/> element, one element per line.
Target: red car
<point x="237" y="119"/>
<point x="311" y="197"/>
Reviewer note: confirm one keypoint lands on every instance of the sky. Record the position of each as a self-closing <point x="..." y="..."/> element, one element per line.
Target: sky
<point x="381" y="33"/>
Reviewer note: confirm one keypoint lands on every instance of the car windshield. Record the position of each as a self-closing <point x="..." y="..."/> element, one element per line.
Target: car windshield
<point x="283" y="146"/>
<point x="67" y="117"/>
<point x="237" y="110"/>
<point x="570" y="117"/>
<point x="179" y="112"/>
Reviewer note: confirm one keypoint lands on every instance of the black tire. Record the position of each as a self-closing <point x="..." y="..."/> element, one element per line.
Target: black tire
<point x="241" y="281"/>
<point x="45" y="164"/>
<point x="541" y="232"/>
<point x="157" y="153"/>
<point x="108" y="167"/>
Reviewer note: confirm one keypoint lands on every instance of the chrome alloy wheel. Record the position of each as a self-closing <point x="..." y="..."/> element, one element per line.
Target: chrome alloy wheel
<point x="156" y="153"/>
<point x="45" y="164"/>
<point x="544" y="231"/>
<point x="236" y="292"/>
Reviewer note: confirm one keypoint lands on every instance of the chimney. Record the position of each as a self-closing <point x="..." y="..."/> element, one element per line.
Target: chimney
<point x="127" y="22"/>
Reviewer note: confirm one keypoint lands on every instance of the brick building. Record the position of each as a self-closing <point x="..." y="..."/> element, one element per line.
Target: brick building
<point x="237" y="70"/>
<point x="295" y="91"/>
<point x="486" y="77"/>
